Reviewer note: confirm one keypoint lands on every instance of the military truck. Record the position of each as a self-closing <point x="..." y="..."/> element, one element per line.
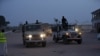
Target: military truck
<point x="67" y="36"/>
<point x="33" y="34"/>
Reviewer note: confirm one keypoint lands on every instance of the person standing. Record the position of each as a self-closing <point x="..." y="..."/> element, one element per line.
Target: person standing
<point x="23" y="32"/>
<point x="64" y="23"/>
<point x="3" y="44"/>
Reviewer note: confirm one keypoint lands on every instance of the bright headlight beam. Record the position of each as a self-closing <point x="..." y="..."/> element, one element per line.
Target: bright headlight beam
<point x="80" y="33"/>
<point x="76" y="29"/>
<point x="42" y="35"/>
<point x="30" y="36"/>
<point x="67" y="33"/>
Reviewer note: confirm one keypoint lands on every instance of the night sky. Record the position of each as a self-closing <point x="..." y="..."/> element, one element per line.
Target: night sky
<point x="18" y="11"/>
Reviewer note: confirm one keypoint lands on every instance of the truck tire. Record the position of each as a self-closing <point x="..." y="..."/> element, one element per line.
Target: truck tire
<point x="23" y="42"/>
<point x="27" y="45"/>
<point x="79" y="41"/>
<point x="23" y="39"/>
<point x="43" y="44"/>
<point x="55" y="39"/>
<point x="65" y="40"/>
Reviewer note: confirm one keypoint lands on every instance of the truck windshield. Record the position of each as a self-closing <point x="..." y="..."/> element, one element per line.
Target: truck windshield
<point x="33" y="27"/>
<point x="71" y="27"/>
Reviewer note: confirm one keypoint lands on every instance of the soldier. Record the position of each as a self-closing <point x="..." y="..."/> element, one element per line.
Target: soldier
<point x="3" y="44"/>
<point x="37" y="22"/>
<point x="23" y="32"/>
<point x="64" y="23"/>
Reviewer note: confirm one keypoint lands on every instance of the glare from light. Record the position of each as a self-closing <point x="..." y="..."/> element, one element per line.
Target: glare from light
<point x="42" y="35"/>
<point x="30" y="36"/>
<point x="80" y="33"/>
<point x="76" y="29"/>
<point x="67" y="33"/>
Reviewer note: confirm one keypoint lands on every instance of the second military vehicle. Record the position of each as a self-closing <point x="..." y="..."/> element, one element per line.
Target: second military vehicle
<point x="67" y="35"/>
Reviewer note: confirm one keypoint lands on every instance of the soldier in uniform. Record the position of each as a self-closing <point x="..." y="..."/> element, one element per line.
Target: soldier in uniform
<point x="64" y="23"/>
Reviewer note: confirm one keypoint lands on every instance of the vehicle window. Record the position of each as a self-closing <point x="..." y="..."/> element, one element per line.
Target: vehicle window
<point x="33" y="27"/>
<point x="71" y="27"/>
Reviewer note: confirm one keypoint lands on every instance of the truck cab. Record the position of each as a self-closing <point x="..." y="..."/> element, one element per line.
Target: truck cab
<point x="33" y="34"/>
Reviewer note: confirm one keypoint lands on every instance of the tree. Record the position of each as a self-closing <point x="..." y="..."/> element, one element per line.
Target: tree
<point x="56" y="20"/>
<point x="3" y="22"/>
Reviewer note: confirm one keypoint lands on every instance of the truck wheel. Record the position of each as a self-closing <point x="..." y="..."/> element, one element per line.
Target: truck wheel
<point x="26" y="45"/>
<point x="55" y="39"/>
<point x="23" y="39"/>
<point x="65" y="41"/>
<point x="23" y="42"/>
<point x="79" y="41"/>
<point x="43" y="44"/>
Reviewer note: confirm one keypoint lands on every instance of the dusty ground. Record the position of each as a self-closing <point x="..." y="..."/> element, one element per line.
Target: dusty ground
<point x="89" y="47"/>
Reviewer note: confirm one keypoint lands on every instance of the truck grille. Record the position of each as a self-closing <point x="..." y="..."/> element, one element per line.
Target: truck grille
<point x="36" y="37"/>
<point x="73" y="34"/>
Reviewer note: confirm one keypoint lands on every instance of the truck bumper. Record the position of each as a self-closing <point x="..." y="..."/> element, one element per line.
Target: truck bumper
<point x="74" y="39"/>
<point x="34" y="41"/>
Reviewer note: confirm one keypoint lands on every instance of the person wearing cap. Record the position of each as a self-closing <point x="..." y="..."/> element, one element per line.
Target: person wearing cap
<point x="3" y="44"/>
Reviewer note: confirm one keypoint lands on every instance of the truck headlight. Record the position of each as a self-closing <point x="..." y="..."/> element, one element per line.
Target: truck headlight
<point x="80" y="33"/>
<point x="76" y="29"/>
<point x="67" y="34"/>
<point x="29" y="36"/>
<point x="42" y="35"/>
